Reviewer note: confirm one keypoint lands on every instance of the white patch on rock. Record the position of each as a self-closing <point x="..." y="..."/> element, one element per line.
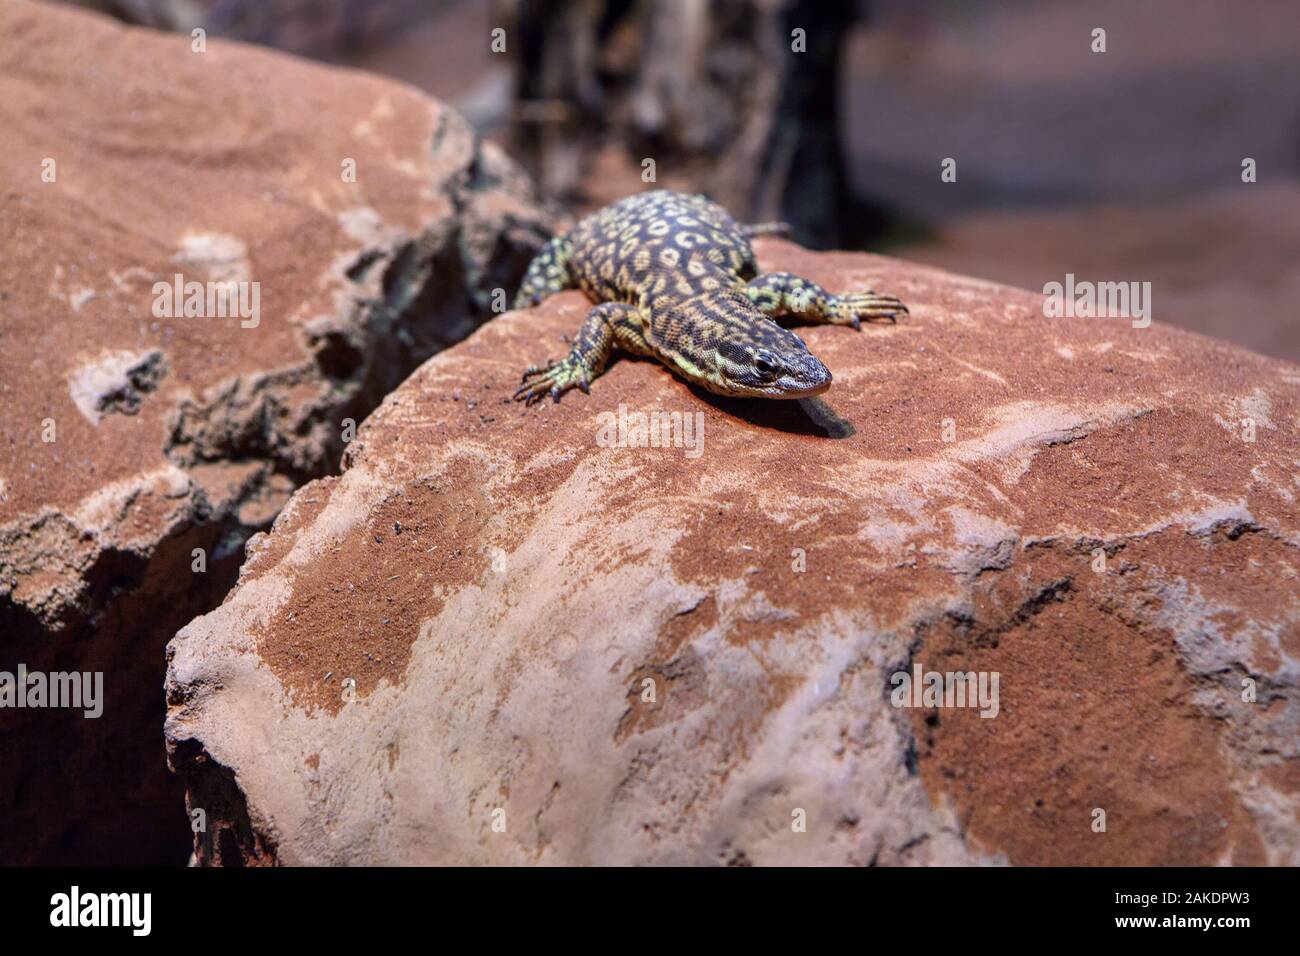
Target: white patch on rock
<point x="892" y="537"/>
<point x="982" y="543"/>
<point x="365" y="225"/>
<point x="992" y="376"/>
<point x="115" y="382"/>
<point x="1255" y="406"/>
<point x="213" y="257"/>
<point x="1033" y="425"/>
<point x="108" y="509"/>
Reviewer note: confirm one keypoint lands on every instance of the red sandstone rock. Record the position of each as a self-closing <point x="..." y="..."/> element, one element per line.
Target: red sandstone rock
<point x="130" y="158"/>
<point x="463" y="627"/>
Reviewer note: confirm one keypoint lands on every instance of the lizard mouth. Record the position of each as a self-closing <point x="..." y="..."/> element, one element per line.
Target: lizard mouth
<point x="810" y="378"/>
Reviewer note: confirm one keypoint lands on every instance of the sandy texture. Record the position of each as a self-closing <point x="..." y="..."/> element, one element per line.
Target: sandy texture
<point x="464" y="628"/>
<point x="130" y="438"/>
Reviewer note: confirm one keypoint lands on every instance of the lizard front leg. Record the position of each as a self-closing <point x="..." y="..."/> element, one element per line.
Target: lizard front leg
<point x="780" y="293"/>
<point x="608" y="325"/>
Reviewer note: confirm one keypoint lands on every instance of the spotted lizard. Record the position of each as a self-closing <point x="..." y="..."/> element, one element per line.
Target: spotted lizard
<point x="674" y="278"/>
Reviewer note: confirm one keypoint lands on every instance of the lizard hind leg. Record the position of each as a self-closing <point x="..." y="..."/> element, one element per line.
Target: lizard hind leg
<point x="608" y="325"/>
<point x="780" y="293"/>
<point x="547" y="274"/>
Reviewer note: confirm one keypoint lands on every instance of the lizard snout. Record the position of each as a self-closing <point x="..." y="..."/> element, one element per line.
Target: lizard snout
<point x="806" y="377"/>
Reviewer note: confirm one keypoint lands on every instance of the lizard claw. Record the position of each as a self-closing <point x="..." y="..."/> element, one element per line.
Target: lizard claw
<point x="537" y="370"/>
<point x="553" y="380"/>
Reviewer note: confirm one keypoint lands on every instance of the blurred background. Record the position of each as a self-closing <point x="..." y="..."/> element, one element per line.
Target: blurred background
<point x="1115" y="166"/>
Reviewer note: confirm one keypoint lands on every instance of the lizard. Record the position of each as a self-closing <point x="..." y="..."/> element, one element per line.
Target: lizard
<point x="673" y="277"/>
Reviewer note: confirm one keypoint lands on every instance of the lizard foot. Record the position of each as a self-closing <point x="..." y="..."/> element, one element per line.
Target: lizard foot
<point x="554" y="379"/>
<point x="851" y="309"/>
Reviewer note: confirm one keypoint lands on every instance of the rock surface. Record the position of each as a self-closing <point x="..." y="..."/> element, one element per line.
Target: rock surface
<point x="496" y="639"/>
<point x="131" y="438"/>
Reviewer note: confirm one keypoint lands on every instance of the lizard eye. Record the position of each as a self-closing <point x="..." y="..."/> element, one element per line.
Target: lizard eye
<point x="764" y="367"/>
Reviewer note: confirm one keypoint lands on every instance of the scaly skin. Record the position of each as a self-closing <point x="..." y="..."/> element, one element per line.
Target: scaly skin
<point x="676" y="279"/>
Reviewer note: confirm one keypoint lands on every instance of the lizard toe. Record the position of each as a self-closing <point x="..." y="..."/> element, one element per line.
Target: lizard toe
<point x="553" y="380"/>
<point x="869" y="306"/>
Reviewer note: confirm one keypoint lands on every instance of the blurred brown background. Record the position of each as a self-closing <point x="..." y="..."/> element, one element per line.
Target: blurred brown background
<point x="1115" y="166"/>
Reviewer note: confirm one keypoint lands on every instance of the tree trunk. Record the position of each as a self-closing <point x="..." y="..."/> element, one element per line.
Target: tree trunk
<point x="738" y="99"/>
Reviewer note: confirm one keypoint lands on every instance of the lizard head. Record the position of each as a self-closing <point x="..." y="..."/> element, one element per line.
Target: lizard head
<point x="743" y="353"/>
<point x="776" y="364"/>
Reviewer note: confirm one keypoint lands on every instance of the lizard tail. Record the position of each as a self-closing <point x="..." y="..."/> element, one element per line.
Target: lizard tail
<point x="548" y="273"/>
<point x="781" y="229"/>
